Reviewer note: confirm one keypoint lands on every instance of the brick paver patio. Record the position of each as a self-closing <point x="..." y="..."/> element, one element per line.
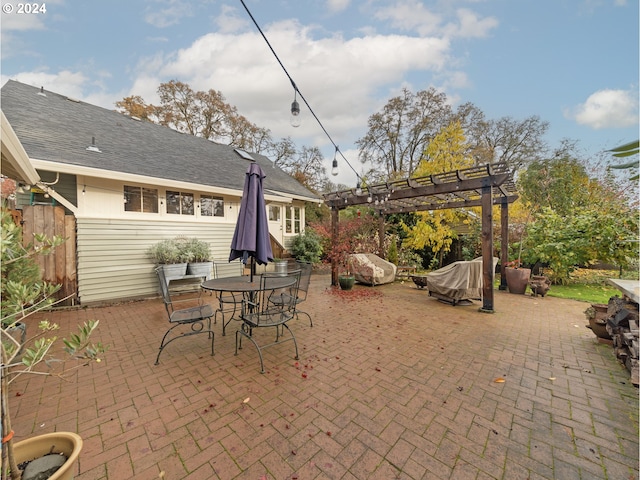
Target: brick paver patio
<point x="390" y="384"/>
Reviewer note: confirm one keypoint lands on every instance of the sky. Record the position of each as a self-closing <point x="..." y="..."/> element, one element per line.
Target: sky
<point x="573" y="63"/>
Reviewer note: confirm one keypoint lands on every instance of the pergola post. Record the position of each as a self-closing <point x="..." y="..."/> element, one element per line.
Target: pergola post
<point x="504" y="242"/>
<point x="487" y="249"/>
<point x="334" y="241"/>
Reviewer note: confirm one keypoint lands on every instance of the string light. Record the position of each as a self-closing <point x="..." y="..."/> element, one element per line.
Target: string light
<point x="334" y="165"/>
<point x="298" y="92"/>
<point x="295" y="110"/>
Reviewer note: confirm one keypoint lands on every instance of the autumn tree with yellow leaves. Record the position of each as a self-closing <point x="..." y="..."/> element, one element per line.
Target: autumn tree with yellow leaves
<point x="434" y="229"/>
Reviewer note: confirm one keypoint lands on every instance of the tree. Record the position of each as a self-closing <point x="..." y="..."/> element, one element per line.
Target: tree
<point x="561" y="184"/>
<point x="135" y="106"/>
<point x="508" y="140"/>
<point x="308" y="168"/>
<point x="206" y="114"/>
<point x="397" y="136"/>
<point x="282" y="152"/>
<point x="434" y="229"/>
<point x="203" y="114"/>
<point x="578" y="219"/>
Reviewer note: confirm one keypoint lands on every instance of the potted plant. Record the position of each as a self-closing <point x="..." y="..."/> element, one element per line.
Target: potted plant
<point x="517" y="277"/>
<point x="169" y="254"/>
<point x="200" y="260"/>
<point x="24" y="294"/>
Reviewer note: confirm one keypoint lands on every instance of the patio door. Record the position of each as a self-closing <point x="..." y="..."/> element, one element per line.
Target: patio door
<point x="274" y="213"/>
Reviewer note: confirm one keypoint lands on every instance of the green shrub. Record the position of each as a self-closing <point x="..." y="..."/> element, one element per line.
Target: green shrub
<point x="392" y="254"/>
<point x="307" y="247"/>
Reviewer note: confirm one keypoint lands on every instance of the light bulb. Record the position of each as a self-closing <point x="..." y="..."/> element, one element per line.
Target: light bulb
<point x="334" y="167"/>
<point x="295" y="114"/>
<point x="358" y="189"/>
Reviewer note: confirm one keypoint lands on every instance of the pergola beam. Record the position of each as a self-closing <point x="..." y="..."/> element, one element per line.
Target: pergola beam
<point x="448" y="205"/>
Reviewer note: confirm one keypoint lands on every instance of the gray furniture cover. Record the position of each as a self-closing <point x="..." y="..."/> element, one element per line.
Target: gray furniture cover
<point x="370" y="269"/>
<point x="458" y="281"/>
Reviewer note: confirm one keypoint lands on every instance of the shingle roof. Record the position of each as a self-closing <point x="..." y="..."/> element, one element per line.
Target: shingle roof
<point x="59" y="129"/>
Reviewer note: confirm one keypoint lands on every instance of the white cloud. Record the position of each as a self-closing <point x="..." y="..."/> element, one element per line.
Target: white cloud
<point x="607" y="109"/>
<point x="335" y="6"/>
<point x="17" y="22"/>
<point x="341" y="79"/>
<point x="412" y="15"/>
<point x="471" y="26"/>
<point x="69" y="83"/>
<point x="164" y="13"/>
<point x="229" y="21"/>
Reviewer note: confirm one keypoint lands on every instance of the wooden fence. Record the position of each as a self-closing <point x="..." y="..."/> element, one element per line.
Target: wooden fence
<point x="60" y="266"/>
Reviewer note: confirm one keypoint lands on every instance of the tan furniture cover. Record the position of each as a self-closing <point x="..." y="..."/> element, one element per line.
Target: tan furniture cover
<point x="370" y="269"/>
<point x="458" y="281"/>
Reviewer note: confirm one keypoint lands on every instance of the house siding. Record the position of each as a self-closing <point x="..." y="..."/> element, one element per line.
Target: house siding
<point x="112" y="260"/>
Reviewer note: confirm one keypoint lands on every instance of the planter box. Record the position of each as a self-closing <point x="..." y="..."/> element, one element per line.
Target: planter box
<point x="202" y="269"/>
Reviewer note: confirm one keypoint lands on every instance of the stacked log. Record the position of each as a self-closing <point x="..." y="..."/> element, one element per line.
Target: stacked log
<point x="622" y="325"/>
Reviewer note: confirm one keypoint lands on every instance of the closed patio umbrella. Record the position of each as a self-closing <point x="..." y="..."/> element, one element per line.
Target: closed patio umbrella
<point x="251" y="237"/>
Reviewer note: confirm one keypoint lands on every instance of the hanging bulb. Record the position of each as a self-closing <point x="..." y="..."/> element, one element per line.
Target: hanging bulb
<point x="369" y="198"/>
<point x="358" y="188"/>
<point x="295" y="111"/>
<point x="334" y="165"/>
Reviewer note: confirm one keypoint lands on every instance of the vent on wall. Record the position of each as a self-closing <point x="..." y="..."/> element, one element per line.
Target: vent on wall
<point x="244" y="154"/>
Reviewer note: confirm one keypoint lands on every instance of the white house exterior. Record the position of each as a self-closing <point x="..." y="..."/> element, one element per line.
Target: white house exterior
<point x="130" y="184"/>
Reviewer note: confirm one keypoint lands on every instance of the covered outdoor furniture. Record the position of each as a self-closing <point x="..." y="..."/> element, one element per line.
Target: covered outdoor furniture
<point x="370" y="269"/>
<point x="263" y="309"/>
<point x="457" y="282"/>
<point x="198" y="318"/>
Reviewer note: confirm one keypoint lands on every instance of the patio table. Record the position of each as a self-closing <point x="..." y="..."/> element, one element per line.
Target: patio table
<point x="243" y="285"/>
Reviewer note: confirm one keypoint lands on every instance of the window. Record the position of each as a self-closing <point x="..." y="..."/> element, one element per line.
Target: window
<point x="211" y="206"/>
<point x="140" y="199"/>
<point x="292" y="219"/>
<point x="274" y="213"/>
<point x="180" y="203"/>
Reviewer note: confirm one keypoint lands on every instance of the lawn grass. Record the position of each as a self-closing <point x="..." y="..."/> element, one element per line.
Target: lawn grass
<point x="591" y="293"/>
<point x="589" y="285"/>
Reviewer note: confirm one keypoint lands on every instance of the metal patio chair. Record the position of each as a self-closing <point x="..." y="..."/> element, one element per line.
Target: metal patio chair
<point x="302" y="290"/>
<point x="263" y="310"/>
<point x="198" y="318"/>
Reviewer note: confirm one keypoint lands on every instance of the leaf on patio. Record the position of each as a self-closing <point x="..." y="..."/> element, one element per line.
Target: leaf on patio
<point x="499" y="380"/>
<point x="246" y="400"/>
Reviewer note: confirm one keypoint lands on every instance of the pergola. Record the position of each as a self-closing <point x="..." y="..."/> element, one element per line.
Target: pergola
<point x="480" y="186"/>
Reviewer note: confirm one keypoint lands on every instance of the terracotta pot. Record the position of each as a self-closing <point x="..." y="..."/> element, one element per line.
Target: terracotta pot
<point x="68" y="443"/>
<point x="517" y="279"/>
